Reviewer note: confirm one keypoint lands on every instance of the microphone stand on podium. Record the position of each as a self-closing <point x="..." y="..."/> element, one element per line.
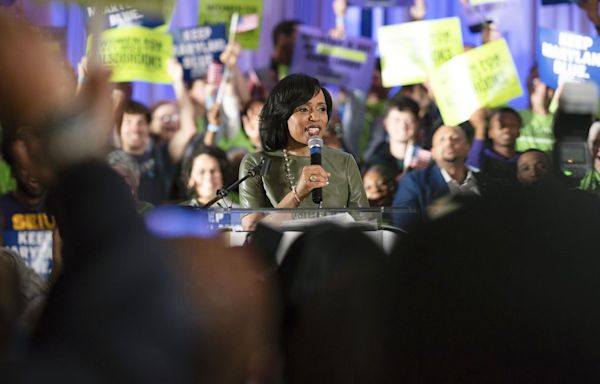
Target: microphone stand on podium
<point x="259" y="170"/>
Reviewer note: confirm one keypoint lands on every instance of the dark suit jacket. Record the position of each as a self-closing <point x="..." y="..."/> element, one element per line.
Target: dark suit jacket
<point x="416" y="191"/>
<point x="420" y="188"/>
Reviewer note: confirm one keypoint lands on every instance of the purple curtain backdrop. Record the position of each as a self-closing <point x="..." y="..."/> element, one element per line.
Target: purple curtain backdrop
<point x="517" y="19"/>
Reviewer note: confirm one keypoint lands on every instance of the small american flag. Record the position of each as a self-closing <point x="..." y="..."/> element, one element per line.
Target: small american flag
<point x="247" y="23"/>
<point x="214" y="75"/>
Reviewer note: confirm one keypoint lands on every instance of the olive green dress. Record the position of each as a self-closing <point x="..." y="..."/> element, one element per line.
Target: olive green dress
<point x="345" y="189"/>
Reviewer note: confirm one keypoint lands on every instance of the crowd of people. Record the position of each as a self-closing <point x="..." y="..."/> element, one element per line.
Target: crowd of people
<point x="495" y="280"/>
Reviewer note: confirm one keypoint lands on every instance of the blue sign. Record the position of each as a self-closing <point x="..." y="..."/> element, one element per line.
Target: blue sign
<point x="567" y="56"/>
<point x="348" y="63"/>
<point x="117" y="15"/>
<point x="196" y="48"/>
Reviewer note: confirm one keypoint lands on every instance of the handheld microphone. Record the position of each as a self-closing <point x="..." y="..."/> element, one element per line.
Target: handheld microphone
<point x="315" y="143"/>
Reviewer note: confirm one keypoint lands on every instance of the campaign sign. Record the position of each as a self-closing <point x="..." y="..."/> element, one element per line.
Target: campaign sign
<point x="30" y="235"/>
<point x="119" y="15"/>
<point x="136" y="54"/>
<point x="220" y="11"/>
<point x="567" y="56"/>
<point x="410" y="51"/>
<point x="380" y="3"/>
<point x="348" y="62"/>
<point x="482" y="77"/>
<point x="195" y="48"/>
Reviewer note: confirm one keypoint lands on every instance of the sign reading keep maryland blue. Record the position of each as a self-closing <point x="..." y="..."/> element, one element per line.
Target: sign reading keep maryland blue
<point x="567" y="56"/>
<point x="195" y="48"/>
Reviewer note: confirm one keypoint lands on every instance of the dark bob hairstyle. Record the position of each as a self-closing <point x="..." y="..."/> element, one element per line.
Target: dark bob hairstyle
<point x="290" y="93"/>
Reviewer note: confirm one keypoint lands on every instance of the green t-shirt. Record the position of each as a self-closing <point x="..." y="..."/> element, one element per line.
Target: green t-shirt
<point x="240" y="140"/>
<point x="7" y="182"/>
<point x="536" y="132"/>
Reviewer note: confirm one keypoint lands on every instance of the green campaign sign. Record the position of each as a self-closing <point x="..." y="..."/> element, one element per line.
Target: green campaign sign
<point x="220" y="11"/>
<point x="136" y="54"/>
<point x="410" y="51"/>
<point x="482" y="77"/>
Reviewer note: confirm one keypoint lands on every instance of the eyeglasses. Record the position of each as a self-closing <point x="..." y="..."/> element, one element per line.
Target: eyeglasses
<point x="169" y="118"/>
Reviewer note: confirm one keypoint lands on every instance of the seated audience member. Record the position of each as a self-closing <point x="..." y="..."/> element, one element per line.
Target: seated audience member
<point x="379" y="186"/>
<point x="533" y="167"/>
<point x="591" y="180"/>
<point x="164" y="121"/>
<point x="400" y="154"/>
<point x="207" y="171"/>
<point x="129" y="170"/>
<point x="499" y="160"/>
<point x="449" y="175"/>
<point x="536" y="130"/>
<point x="27" y="224"/>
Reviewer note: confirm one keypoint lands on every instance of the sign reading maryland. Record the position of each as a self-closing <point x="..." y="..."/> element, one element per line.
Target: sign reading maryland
<point x="567" y="56"/>
<point x="196" y="48"/>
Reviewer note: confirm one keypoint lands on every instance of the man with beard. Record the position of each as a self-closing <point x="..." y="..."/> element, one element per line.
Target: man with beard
<point x="499" y="160"/>
<point x="448" y="176"/>
<point x="26" y="224"/>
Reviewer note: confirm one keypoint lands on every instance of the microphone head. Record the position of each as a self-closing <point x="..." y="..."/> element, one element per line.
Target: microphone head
<point x="266" y="166"/>
<point x="315" y="141"/>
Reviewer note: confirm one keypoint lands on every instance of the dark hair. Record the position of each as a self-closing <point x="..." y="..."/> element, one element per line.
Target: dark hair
<point x="287" y="95"/>
<point x="507" y="110"/>
<point x="547" y="158"/>
<point x="159" y="104"/>
<point x="285" y="27"/>
<point x="135" y="108"/>
<point x="211" y="151"/>
<point x="403" y="104"/>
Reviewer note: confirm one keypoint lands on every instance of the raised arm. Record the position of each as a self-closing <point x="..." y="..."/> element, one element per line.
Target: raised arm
<point x="187" y="127"/>
<point x="478" y="121"/>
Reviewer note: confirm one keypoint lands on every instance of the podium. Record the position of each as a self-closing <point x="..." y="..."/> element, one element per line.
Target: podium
<point x="238" y="225"/>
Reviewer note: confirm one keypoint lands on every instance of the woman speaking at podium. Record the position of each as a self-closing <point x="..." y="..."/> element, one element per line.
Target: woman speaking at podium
<point x="297" y="109"/>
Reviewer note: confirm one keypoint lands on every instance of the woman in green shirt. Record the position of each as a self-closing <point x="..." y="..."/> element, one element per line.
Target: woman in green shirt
<point x="298" y="108"/>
